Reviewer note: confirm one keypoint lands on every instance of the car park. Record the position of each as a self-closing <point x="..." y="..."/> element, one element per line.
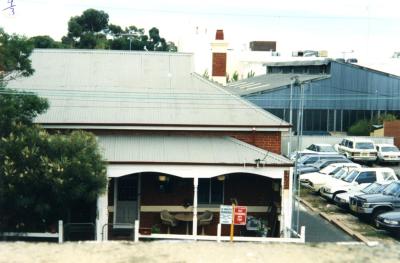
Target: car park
<point x="357" y="149"/>
<point x="387" y="153"/>
<point x="310" y="159"/>
<point x="321" y="148"/>
<point x="314" y="181"/>
<point x="356" y="180"/>
<point x="343" y="199"/>
<point x="321" y="164"/>
<point x="389" y="221"/>
<point x="317" y="148"/>
<point x="372" y="205"/>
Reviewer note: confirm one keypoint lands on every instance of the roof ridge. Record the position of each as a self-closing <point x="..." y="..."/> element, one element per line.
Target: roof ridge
<point x="242" y="100"/>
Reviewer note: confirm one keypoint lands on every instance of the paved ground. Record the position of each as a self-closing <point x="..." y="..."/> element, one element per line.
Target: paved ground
<point x="319" y="230"/>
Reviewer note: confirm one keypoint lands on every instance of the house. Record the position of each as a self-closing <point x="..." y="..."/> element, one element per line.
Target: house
<point x="336" y="94"/>
<point x="173" y="140"/>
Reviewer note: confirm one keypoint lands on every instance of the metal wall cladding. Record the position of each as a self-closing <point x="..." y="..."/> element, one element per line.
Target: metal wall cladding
<point x="349" y="87"/>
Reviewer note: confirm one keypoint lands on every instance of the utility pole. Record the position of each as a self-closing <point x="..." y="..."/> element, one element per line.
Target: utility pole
<point x="294" y="80"/>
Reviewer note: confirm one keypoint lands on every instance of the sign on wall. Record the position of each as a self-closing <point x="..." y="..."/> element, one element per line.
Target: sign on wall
<point x="225" y="215"/>
<point x="240" y="217"/>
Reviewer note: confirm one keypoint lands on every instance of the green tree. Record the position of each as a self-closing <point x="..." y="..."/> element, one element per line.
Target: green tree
<point x="44" y="42"/>
<point x="235" y="76"/>
<point x="43" y="177"/>
<point x="360" y="128"/>
<point x="14" y="57"/>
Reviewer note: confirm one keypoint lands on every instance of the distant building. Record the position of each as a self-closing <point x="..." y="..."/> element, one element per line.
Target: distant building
<point x="336" y="94"/>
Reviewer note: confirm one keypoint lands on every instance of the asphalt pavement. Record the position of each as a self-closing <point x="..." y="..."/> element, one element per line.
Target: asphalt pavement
<point x="320" y="230"/>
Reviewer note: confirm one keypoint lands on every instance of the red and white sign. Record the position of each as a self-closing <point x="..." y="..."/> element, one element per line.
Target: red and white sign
<point x="240" y="217"/>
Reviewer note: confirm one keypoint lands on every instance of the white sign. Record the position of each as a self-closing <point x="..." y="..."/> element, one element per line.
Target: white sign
<point x="225" y="214"/>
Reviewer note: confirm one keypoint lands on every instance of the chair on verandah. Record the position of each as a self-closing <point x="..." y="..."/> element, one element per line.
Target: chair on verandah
<point x="205" y="219"/>
<point x="168" y="219"/>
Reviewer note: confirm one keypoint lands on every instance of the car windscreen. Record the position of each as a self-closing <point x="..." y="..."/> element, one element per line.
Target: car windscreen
<point x="334" y="171"/>
<point x="371" y="188"/>
<point x="392" y="189"/>
<point x="339" y="173"/>
<point x="389" y="149"/>
<point x="350" y="178"/>
<point x="326" y="148"/>
<point x="365" y="146"/>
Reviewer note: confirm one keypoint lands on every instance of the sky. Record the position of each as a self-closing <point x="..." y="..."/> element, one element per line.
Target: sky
<point x="368" y="28"/>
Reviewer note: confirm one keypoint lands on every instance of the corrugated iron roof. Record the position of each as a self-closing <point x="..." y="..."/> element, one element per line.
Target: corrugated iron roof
<point x="270" y="81"/>
<point x="184" y="149"/>
<point x="139" y="88"/>
<point x="316" y="62"/>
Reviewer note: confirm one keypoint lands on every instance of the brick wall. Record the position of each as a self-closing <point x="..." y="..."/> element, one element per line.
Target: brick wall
<point x="218" y="64"/>
<point x="269" y="140"/>
<point x="392" y="129"/>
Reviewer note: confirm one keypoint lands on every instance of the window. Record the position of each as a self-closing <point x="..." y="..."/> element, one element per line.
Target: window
<point x="366" y="177"/>
<point x="311" y="160"/>
<point x="365" y="146"/>
<point x="387" y="176"/>
<point x="210" y="191"/>
<point x="350" y="145"/>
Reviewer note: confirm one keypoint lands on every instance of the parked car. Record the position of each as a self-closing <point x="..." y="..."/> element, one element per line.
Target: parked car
<point x="389" y="221"/>
<point x="372" y="205"/>
<point x="343" y="199"/>
<point x="358" y="149"/>
<point x="310" y="159"/>
<point x="321" y="164"/>
<point x="357" y="180"/>
<point x="317" y="148"/>
<point x="321" y="148"/>
<point x="388" y="153"/>
<point x="316" y="180"/>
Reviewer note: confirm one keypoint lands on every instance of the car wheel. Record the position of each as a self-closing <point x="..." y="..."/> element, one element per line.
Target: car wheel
<point x="376" y="213"/>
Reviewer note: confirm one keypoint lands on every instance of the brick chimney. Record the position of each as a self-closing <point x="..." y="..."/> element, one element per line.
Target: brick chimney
<point x="219" y="48"/>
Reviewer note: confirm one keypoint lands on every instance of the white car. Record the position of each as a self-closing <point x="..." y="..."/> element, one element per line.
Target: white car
<point x="343" y="199"/>
<point x="357" y="149"/>
<point x="388" y="153"/>
<point x="357" y="180"/>
<point x="315" y="148"/>
<point x="315" y="181"/>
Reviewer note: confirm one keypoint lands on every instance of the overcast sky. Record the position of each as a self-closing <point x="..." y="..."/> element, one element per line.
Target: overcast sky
<point x="369" y="27"/>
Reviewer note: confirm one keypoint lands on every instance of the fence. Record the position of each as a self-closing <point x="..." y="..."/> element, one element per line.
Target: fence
<point x="305" y="140"/>
<point x="79" y="231"/>
<point x="59" y="235"/>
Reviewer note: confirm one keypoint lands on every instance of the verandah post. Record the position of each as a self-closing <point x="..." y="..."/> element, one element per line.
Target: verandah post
<point x="195" y="184"/>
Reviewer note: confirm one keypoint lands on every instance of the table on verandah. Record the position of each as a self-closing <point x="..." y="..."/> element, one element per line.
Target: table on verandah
<point x="185" y="217"/>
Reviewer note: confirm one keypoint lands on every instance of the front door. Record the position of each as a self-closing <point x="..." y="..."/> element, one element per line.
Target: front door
<point x="126" y="197"/>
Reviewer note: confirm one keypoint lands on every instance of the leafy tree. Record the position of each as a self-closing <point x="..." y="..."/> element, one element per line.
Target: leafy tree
<point x="43" y="177"/>
<point x="360" y="128"/>
<point x="14" y="57"/>
<point x="235" y="76"/>
<point x="44" y="42"/>
<point x="205" y="74"/>
<point x="250" y="74"/>
<point x="364" y="127"/>
<point x="91" y="30"/>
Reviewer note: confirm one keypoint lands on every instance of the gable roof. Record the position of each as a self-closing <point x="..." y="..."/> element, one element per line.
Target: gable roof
<point x="114" y="89"/>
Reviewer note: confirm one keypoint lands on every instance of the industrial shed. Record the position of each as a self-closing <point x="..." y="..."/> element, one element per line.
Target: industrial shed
<point x="336" y="94"/>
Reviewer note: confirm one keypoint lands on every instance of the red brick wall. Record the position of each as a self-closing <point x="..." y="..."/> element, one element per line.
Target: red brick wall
<point x="219" y="64"/>
<point x="269" y="140"/>
<point x="392" y="129"/>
